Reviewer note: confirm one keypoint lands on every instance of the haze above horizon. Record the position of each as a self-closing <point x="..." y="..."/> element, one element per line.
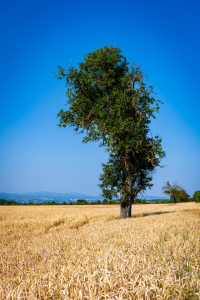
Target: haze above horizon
<point x="36" y="37"/>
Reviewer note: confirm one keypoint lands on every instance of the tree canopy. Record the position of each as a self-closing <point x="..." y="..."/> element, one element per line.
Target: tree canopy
<point x="111" y="102"/>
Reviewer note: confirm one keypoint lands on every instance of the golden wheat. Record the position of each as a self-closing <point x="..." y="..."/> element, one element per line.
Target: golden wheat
<point x="87" y="252"/>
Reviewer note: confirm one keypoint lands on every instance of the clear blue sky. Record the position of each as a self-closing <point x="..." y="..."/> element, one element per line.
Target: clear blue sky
<point x="36" y="36"/>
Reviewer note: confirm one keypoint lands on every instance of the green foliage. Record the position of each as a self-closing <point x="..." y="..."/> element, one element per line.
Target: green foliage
<point x="98" y="202"/>
<point x="176" y="193"/>
<point x="111" y="177"/>
<point x="78" y="202"/>
<point x="111" y="102"/>
<point x="114" y="178"/>
<point x="81" y="202"/>
<point x="8" y="202"/>
<point x="182" y="196"/>
<point x="105" y="201"/>
<point x="139" y="201"/>
<point x="164" y="201"/>
<point x="196" y="197"/>
<point x="92" y="203"/>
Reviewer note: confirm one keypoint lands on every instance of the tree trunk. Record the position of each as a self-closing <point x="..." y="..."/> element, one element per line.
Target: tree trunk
<point x="125" y="210"/>
<point x="174" y="200"/>
<point x="126" y="203"/>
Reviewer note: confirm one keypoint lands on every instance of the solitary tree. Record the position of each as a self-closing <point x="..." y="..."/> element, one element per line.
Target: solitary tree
<point x="176" y="192"/>
<point x="112" y="104"/>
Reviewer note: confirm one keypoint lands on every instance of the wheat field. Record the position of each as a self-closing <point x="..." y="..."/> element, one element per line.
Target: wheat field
<point x="87" y="252"/>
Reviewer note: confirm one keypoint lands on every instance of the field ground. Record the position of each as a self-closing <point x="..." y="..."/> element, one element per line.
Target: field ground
<point x="87" y="252"/>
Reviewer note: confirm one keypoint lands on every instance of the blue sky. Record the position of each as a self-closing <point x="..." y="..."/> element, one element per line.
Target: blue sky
<point x="36" y="36"/>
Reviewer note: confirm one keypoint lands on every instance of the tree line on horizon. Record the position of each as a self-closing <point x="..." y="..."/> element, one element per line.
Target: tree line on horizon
<point x="176" y="192"/>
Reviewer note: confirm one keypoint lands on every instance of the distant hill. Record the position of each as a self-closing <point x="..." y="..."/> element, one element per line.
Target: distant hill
<point x="40" y="197"/>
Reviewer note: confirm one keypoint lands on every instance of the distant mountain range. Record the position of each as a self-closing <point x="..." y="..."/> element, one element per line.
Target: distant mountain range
<point x="40" y="197"/>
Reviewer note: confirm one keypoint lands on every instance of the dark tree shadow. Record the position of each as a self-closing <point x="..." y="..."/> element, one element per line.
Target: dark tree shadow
<point x="151" y="214"/>
<point x="158" y="213"/>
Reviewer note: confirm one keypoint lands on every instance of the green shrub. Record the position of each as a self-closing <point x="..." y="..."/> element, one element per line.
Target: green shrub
<point x="163" y="201"/>
<point x="105" y="201"/>
<point x="81" y="202"/>
<point x="137" y="201"/>
<point x="98" y="202"/>
<point x="196" y="197"/>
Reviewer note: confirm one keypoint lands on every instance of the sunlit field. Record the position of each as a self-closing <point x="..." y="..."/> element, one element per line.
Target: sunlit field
<point x="87" y="252"/>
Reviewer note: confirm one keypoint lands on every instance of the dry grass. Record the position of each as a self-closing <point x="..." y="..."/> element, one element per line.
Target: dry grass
<point x="87" y="252"/>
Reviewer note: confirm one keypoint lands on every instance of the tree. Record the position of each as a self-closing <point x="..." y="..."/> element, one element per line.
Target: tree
<point x="196" y="196"/>
<point x="183" y="196"/>
<point x="176" y="192"/>
<point x="110" y="101"/>
<point x="81" y="202"/>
